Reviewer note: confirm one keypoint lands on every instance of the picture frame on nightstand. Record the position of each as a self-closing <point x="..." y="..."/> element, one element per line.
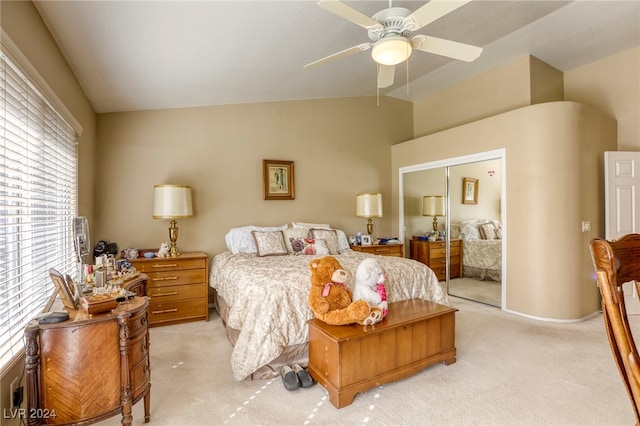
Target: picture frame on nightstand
<point x="366" y="240"/>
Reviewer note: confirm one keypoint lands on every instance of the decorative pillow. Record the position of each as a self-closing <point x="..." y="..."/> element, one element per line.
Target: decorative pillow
<point x="308" y="246"/>
<point x="329" y="236"/>
<point x="455" y="230"/>
<point x="240" y="240"/>
<point x="269" y="243"/>
<point x="469" y="230"/>
<point x="299" y="233"/>
<point x="343" y="242"/>
<point x="311" y="225"/>
<point x="488" y="231"/>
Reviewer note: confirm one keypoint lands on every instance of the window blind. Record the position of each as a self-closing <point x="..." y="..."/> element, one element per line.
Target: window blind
<point x="38" y="200"/>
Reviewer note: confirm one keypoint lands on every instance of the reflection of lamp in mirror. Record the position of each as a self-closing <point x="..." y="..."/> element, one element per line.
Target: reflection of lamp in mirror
<point x="369" y="205"/>
<point x="433" y="205"/>
<point x="172" y="202"/>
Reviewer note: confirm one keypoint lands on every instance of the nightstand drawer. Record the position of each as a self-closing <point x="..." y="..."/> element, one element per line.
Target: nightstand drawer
<point x="176" y="292"/>
<point x="442" y="252"/>
<point x="180" y="310"/>
<point x="381" y="249"/>
<point x="171" y="278"/>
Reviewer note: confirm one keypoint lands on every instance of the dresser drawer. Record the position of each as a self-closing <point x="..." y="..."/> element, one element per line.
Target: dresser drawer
<point x="171" y="278"/>
<point x="179" y="310"/>
<point x="139" y="378"/>
<point x="176" y="292"/>
<point x="138" y="323"/>
<point x="439" y="253"/>
<point x="164" y="264"/>
<point x="138" y="349"/>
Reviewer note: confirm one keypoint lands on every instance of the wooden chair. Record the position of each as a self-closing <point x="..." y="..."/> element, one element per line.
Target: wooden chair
<point x="617" y="262"/>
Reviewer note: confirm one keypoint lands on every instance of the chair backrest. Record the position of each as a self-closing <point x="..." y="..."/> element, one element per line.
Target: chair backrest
<point x="617" y="262"/>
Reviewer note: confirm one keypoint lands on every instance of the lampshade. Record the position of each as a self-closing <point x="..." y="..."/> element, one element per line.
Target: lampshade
<point x="391" y="50"/>
<point x="172" y="201"/>
<point x="433" y="205"/>
<point x="369" y="205"/>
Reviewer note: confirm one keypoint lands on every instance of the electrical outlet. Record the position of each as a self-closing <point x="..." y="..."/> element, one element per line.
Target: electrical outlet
<point x="16" y="392"/>
<point x="15" y="384"/>
<point x="586" y="226"/>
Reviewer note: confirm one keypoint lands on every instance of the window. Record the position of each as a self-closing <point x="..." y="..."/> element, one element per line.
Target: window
<point x="38" y="200"/>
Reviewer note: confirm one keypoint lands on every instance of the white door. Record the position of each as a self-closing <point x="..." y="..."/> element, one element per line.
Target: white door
<point x="622" y="192"/>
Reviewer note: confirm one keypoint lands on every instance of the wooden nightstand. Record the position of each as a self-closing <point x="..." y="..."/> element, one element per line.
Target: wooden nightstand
<point x="434" y="255"/>
<point x="177" y="287"/>
<point x="382" y="249"/>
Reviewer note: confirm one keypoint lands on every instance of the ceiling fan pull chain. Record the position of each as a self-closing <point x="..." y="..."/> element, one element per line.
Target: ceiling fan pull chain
<point x="377" y="85"/>
<point x="407" y="77"/>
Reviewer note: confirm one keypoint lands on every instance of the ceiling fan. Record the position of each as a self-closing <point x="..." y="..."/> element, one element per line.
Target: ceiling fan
<point x="391" y="33"/>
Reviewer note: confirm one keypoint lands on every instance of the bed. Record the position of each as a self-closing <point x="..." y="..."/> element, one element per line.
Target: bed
<point x="482" y="249"/>
<point x="262" y="298"/>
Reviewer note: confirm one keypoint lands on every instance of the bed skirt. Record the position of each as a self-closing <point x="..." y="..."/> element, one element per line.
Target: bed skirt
<point x="292" y="354"/>
<point x="481" y="273"/>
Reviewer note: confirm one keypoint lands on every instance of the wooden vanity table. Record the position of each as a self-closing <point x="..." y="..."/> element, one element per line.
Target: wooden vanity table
<point x="89" y="367"/>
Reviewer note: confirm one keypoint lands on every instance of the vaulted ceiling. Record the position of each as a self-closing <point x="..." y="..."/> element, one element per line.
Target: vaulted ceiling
<point x="135" y="55"/>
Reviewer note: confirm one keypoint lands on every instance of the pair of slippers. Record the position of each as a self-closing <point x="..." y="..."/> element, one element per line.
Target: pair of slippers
<point x="295" y="376"/>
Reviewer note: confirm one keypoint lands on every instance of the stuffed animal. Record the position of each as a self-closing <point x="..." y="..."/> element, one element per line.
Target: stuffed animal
<point x="164" y="250"/>
<point x="369" y="285"/>
<point x="330" y="298"/>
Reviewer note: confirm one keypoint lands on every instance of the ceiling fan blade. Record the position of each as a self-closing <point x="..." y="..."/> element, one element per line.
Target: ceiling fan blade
<point x="451" y="49"/>
<point x="347" y="12"/>
<point x="346" y="52"/>
<point x="432" y="11"/>
<point x="385" y="75"/>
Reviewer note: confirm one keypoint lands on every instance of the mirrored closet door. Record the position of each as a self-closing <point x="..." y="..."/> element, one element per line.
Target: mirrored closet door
<point x="453" y="223"/>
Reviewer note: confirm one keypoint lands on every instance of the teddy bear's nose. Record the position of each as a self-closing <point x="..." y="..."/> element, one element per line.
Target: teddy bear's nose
<point x="342" y="273"/>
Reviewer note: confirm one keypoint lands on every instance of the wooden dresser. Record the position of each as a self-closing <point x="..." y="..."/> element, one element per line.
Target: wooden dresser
<point x="89" y="367"/>
<point x="434" y="255"/>
<point x="348" y="359"/>
<point x="381" y="249"/>
<point x="177" y="288"/>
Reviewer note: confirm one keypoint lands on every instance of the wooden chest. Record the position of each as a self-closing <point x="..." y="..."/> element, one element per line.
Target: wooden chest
<point x="350" y="359"/>
<point x="177" y="288"/>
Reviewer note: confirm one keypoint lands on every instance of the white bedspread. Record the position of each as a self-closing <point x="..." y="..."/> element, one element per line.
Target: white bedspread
<point x="268" y="298"/>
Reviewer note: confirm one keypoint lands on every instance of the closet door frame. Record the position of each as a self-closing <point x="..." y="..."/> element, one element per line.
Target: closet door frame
<point x="456" y="161"/>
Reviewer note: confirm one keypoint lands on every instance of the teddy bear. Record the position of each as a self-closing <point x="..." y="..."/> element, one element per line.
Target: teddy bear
<point x="369" y="285"/>
<point x="330" y="298"/>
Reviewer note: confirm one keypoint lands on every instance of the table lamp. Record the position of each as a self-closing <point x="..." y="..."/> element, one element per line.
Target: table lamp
<point x="433" y="205"/>
<point x="172" y="202"/>
<point x="369" y="205"/>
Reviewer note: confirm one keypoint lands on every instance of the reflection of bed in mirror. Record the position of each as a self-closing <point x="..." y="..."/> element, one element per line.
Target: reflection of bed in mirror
<point x="482" y="253"/>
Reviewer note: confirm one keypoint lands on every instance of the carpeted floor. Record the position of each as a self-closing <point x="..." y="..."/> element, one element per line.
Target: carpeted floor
<point x="509" y="371"/>
<point x="489" y="292"/>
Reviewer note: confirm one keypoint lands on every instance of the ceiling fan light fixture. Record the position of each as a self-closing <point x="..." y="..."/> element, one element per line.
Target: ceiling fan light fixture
<point x="391" y="50"/>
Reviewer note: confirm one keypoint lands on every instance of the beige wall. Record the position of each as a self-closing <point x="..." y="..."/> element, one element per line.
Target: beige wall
<point x="22" y="23"/>
<point x="611" y="85"/>
<point x="340" y="147"/>
<point x="553" y="150"/>
<point x="522" y="82"/>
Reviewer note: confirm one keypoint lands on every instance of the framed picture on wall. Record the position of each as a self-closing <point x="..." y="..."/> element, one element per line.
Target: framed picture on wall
<point x="278" y="182"/>
<point x="469" y="191"/>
